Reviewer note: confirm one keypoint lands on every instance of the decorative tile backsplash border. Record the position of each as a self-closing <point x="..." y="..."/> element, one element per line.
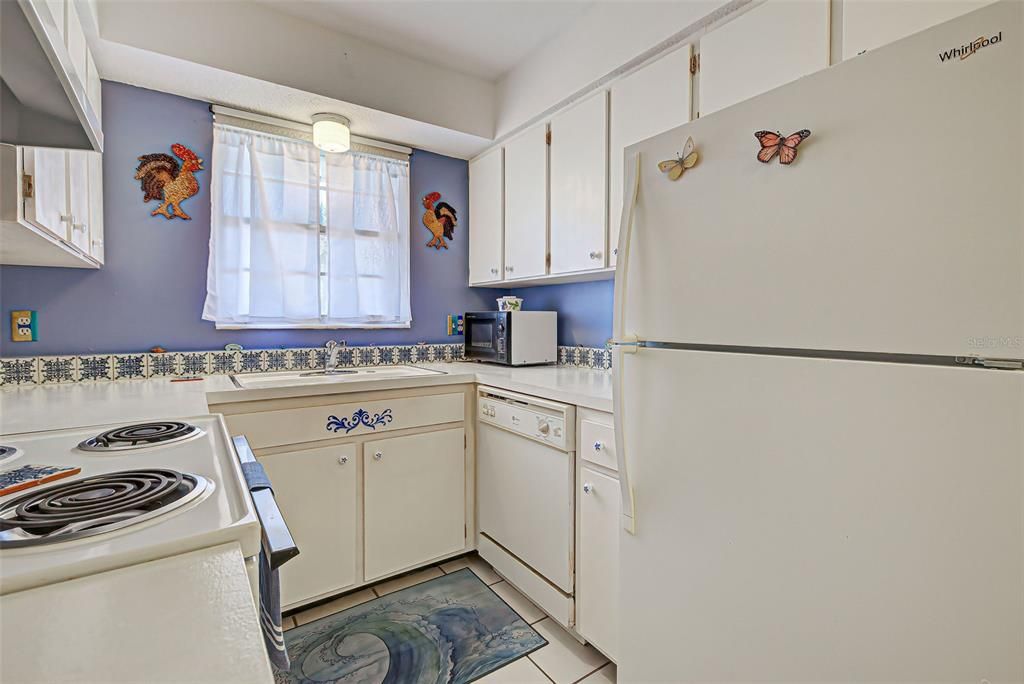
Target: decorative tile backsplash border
<point x="51" y="370"/>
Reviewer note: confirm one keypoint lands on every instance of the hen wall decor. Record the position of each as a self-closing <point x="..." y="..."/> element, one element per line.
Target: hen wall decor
<point x="440" y="219"/>
<point x="774" y="143"/>
<point x="163" y="179"/>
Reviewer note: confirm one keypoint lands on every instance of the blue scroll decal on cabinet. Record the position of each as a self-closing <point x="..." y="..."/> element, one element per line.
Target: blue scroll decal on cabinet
<point x="360" y="417"/>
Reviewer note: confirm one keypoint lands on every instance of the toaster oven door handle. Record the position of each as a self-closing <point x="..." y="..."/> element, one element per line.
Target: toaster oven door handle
<point x="277" y="540"/>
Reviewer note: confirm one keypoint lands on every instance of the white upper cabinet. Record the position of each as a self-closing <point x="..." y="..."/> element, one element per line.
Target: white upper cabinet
<point x="78" y="198"/>
<point x="526" y="204"/>
<point x="645" y="103"/>
<point x="579" y="185"/>
<point x="96" y="206"/>
<point x="868" y="24"/>
<point x="77" y="47"/>
<point x="46" y="205"/>
<point x="768" y="46"/>
<point x="486" y="195"/>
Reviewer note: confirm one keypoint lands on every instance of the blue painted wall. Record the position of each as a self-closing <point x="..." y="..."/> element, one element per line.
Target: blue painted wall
<point x="584" y="310"/>
<point x="152" y="287"/>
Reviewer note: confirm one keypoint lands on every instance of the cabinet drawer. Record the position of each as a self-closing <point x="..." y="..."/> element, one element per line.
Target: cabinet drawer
<point x="351" y="419"/>
<point x="597" y="444"/>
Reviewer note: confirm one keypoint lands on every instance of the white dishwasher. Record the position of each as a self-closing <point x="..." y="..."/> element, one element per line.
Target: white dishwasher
<point x="525" y="487"/>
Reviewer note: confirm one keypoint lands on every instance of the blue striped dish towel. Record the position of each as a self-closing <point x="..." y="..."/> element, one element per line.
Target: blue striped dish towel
<point x="270" y="614"/>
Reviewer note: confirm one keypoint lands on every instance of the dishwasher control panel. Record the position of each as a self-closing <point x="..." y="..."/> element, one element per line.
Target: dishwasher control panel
<point x="546" y="421"/>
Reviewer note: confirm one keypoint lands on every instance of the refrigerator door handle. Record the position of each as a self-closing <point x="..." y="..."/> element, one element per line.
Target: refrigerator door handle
<point x="624" y="344"/>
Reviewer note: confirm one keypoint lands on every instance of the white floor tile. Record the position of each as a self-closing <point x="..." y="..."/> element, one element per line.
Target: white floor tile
<point x="404" y="581"/>
<point x="522" y="605"/>
<point x="474" y="563"/>
<point x="336" y="606"/>
<point x="606" y="675"/>
<point x="564" y="660"/>
<point x="522" y="671"/>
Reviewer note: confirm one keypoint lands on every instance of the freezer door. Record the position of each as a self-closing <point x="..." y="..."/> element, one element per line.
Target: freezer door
<point x="899" y="228"/>
<point x="819" y="520"/>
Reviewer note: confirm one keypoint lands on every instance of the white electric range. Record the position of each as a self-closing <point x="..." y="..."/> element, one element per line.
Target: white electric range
<point x="145" y="492"/>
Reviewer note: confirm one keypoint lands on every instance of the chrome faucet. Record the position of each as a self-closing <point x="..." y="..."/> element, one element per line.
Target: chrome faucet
<point x="332" y="347"/>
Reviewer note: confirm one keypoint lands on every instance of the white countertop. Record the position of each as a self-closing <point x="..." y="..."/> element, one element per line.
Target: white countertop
<point x="580" y="386"/>
<point x="29" y="408"/>
<point x="201" y="625"/>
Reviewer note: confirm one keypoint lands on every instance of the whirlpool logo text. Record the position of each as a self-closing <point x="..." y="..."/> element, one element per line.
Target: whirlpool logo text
<point x="968" y="49"/>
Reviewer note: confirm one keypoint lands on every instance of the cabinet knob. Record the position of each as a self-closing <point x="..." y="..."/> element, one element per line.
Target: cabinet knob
<point x="343" y="460"/>
<point x="598" y="446"/>
<point x="508" y="269"/>
<point x="587" y="488"/>
<point x="377" y="456"/>
<point x="494" y="271"/>
<point x="595" y="255"/>
<point x="615" y="251"/>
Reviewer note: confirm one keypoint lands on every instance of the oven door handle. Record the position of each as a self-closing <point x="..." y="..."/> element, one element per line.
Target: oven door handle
<point x="277" y="540"/>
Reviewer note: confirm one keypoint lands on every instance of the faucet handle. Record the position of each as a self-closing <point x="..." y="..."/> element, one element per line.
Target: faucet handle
<point x="330" y="344"/>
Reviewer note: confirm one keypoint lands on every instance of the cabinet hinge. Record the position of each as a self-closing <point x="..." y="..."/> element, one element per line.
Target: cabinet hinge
<point x="547" y="137"/>
<point x="547" y="260"/>
<point x="998" y="364"/>
<point x="694" y="64"/>
<point x="26" y="185"/>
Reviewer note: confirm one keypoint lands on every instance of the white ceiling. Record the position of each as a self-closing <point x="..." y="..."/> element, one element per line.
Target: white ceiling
<point x="484" y="38"/>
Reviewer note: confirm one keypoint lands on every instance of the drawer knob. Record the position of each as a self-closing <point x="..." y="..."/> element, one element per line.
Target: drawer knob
<point x="595" y="255"/>
<point x="343" y="460"/>
<point x="598" y="446"/>
<point x="587" y="488"/>
<point x="377" y="456"/>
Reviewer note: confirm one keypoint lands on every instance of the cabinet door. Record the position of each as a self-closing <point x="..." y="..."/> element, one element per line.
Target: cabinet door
<point x="93" y="88"/>
<point x="526" y="207"/>
<point x="597" y="568"/>
<point x="768" y="46"/>
<point x="58" y="10"/>
<point x="78" y="198"/>
<point x="486" y="213"/>
<point x="77" y="47"/>
<point x="647" y="102"/>
<point x="868" y="24"/>
<point x="415" y="493"/>
<point x="579" y="186"/>
<point x="96" y="205"/>
<point x="317" y="492"/>
<point x="48" y="206"/>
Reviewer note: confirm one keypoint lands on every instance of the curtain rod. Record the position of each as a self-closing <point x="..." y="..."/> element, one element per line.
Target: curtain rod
<point x="305" y="128"/>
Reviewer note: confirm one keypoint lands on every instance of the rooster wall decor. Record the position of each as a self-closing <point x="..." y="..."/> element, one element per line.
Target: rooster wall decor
<point x="163" y="179"/>
<point x="439" y="219"/>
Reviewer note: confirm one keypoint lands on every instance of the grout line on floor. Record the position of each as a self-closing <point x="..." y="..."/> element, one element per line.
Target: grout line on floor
<point x="599" y="668"/>
<point x="546" y="675"/>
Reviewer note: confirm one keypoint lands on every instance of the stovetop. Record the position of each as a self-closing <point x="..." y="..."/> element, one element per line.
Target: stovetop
<point x="183" y="492"/>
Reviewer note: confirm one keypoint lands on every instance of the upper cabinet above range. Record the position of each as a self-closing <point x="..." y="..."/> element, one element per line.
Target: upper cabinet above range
<point x="49" y="86"/>
<point x="868" y="24"/>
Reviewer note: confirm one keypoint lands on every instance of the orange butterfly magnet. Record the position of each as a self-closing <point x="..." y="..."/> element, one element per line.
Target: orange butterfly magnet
<point x="774" y="143"/>
<point x="687" y="160"/>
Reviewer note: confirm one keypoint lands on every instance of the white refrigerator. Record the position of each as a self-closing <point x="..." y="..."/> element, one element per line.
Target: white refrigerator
<point x="819" y="400"/>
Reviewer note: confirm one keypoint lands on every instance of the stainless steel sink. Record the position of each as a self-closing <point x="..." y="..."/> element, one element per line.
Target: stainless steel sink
<point x="316" y="377"/>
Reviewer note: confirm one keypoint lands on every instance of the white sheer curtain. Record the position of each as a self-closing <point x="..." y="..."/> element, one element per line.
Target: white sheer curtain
<point x="264" y="232"/>
<point x="368" y="234"/>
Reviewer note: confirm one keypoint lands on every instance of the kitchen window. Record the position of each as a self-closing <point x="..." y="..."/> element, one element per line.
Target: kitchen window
<point x="303" y="239"/>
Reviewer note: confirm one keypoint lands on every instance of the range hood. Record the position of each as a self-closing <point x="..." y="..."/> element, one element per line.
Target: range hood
<point x="42" y="99"/>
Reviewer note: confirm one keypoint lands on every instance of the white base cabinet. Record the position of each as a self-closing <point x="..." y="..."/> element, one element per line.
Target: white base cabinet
<point x="317" y="491"/>
<point x="415" y="500"/>
<point x="597" y="560"/>
<point x="364" y="500"/>
<point x="598" y="510"/>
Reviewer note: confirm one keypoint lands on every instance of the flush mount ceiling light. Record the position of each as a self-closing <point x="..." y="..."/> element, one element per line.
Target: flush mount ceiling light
<point x="331" y="133"/>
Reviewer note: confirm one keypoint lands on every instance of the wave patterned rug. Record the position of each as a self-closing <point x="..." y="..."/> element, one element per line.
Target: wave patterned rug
<point x="449" y="630"/>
